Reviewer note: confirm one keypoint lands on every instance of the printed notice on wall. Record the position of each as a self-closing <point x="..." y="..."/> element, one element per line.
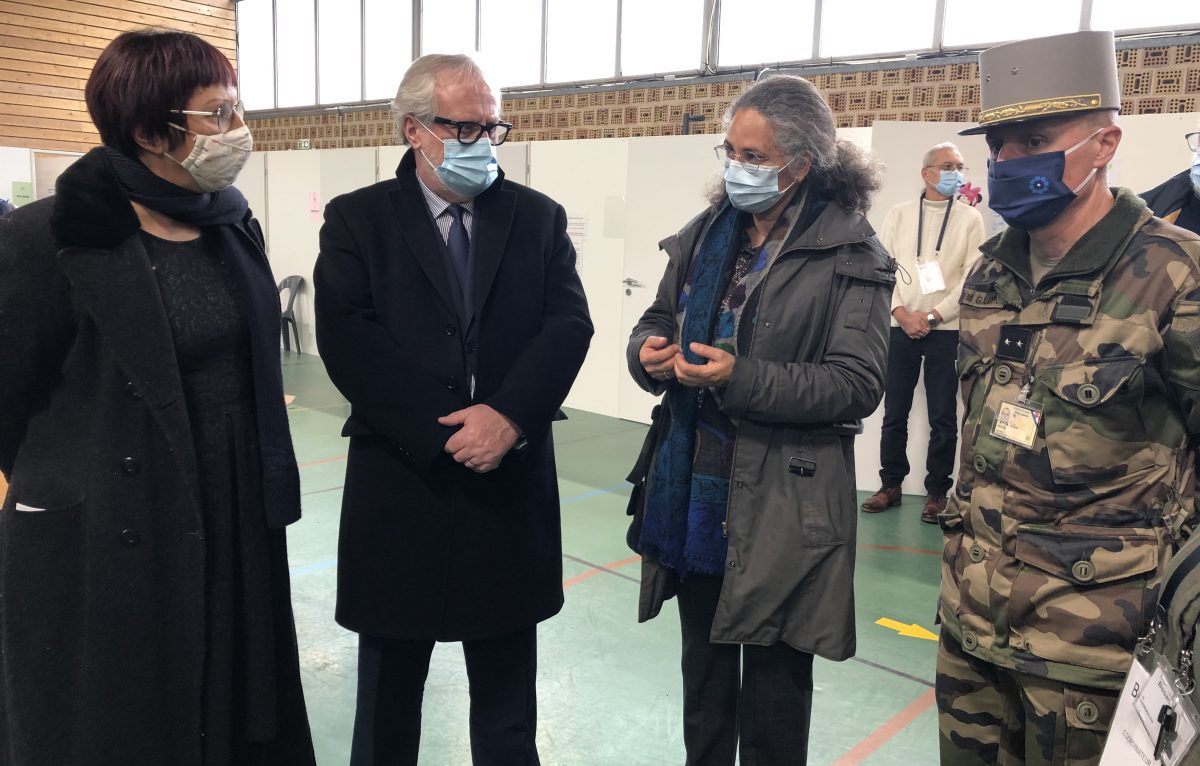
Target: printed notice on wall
<point x="22" y="193"/>
<point x="577" y="232"/>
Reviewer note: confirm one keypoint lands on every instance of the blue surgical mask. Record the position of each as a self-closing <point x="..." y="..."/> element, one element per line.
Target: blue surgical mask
<point x="753" y="192"/>
<point x="1196" y="172"/>
<point x="950" y="182"/>
<point x="467" y="169"/>
<point x="1028" y="192"/>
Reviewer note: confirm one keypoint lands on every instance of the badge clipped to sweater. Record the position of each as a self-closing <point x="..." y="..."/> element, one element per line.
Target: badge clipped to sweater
<point x="929" y="273"/>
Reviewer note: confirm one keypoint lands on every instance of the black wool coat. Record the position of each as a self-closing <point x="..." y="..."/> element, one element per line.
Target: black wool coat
<point x="102" y="593"/>
<point x="428" y="548"/>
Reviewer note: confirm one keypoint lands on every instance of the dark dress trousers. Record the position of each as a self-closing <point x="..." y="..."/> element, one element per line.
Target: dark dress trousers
<point x="430" y="550"/>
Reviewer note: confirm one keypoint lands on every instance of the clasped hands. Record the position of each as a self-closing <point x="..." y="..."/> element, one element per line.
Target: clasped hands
<point x="484" y="439"/>
<point x="663" y="360"/>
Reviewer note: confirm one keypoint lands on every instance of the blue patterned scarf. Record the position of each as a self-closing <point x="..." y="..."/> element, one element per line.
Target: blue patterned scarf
<point x="679" y="500"/>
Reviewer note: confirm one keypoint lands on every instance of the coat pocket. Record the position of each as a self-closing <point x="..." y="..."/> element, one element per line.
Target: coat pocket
<point x="1093" y="422"/>
<point x="1080" y="594"/>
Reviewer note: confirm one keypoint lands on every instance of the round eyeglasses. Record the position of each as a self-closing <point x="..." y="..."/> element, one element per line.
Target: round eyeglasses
<point x="1193" y="140"/>
<point x="222" y="115"/>
<point x="470" y="132"/>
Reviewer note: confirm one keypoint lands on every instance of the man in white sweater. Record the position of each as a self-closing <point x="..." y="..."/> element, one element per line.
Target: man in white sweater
<point x="936" y="240"/>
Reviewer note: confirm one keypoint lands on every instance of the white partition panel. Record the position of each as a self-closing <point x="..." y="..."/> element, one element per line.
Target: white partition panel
<point x="589" y="179"/>
<point x="299" y="183"/>
<point x="252" y="183"/>
<point x="667" y="179"/>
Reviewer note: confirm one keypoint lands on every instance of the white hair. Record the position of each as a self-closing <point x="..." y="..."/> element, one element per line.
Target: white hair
<point x="934" y="150"/>
<point x="417" y="94"/>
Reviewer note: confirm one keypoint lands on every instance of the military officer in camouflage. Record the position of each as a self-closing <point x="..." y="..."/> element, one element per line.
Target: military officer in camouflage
<point x="1079" y="361"/>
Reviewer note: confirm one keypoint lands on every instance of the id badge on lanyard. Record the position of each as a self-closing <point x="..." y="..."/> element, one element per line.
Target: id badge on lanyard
<point x="1155" y="722"/>
<point x="929" y="273"/>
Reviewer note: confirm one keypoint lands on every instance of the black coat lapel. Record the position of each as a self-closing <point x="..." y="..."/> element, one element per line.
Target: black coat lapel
<point x="117" y="289"/>
<point x="419" y="233"/>
<point x="494" y="210"/>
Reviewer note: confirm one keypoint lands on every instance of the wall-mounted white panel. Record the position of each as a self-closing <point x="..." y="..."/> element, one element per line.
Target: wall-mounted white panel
<point x="252" y="183"/>
<point x="589" y="179"/>
<point x="16" y="165"/>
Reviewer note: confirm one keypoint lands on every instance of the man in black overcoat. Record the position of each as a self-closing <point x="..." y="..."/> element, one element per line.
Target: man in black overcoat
<point x="450" y="315"/>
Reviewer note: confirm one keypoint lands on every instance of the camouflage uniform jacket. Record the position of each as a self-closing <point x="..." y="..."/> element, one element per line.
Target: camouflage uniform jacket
<point x="1054" y="553"/>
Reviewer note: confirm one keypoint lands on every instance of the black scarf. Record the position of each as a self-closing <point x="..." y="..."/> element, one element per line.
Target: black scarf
<point x="222" y="217"/>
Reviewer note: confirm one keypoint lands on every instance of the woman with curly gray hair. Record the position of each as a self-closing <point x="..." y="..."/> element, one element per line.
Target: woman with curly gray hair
<point x="768" y="342"/>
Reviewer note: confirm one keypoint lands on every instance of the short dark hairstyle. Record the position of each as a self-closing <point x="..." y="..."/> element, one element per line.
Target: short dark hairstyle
<point x="142" y="75"/>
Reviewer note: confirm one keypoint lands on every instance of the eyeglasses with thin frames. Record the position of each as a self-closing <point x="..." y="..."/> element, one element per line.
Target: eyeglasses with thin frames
<point x="950" y="167"/>
<point x="222" y="115"/>
<point x="725" y="156"/>
<point x="1193" y="140"/>
<point x="470" y="132"/>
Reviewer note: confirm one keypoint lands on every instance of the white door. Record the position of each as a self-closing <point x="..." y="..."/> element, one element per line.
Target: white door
<point x="667" y="179"/>
<point x="588" y="178"/>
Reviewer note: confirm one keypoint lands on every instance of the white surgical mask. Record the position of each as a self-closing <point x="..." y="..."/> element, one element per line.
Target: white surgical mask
<point x="215" y="161"/>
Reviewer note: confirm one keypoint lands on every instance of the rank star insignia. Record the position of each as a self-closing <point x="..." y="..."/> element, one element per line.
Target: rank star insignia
<point x="1014" y="343"/>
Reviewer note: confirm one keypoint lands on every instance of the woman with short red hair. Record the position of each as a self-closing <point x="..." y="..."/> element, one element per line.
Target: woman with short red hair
<point x="145" y="613"/>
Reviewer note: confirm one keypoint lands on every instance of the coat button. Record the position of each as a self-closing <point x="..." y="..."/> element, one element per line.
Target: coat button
<point x="740" y="484"/>
<point x="767" y="325"/>
<point x="1088" y="394"/>
<point x="130" y="466"/>
<point x="732" y="564"/>
<point x="131" y="391"/>
<point x="1003" y="374"/>
<point x="980" y="463"/>
<point x="975" y="552"/>
<point x="451" y="329"/>
<point x="451" y="383"/>
<point x="1083" y="571"/>
<point x="969" y="641"/>
<point x="1087" y="711"/>
<point x="130" y="539"/>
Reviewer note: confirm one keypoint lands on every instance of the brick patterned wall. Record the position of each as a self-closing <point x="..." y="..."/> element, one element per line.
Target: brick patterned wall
<point x="1153" y="80"/>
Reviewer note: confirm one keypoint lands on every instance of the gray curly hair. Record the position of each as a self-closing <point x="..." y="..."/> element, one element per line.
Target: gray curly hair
<point x="804" y="128"/>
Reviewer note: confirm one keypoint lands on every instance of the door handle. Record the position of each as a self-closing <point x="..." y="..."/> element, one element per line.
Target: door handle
<point x="631" y="282"/>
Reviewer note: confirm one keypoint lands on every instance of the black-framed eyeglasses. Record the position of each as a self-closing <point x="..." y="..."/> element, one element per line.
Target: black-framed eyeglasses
<point x="470" y="132"/>
<point x="1193" y="140"/>
<point x="222" y="115"/>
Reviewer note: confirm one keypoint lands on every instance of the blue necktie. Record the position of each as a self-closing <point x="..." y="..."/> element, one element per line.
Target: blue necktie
<point x="460" y="255"/>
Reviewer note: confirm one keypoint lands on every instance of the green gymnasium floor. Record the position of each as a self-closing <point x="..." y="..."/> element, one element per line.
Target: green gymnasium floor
<point x="608" y="688"/>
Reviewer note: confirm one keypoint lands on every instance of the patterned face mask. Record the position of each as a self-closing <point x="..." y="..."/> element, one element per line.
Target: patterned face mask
<point x="215" y="161"/>
<point x="1028" y="192"/>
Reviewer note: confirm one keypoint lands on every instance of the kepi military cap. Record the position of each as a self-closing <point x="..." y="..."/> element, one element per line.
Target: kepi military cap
<point x="1047" y="77"/>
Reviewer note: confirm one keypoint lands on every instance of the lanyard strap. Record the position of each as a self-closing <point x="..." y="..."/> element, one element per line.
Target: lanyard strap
<point x="921" y="224"/>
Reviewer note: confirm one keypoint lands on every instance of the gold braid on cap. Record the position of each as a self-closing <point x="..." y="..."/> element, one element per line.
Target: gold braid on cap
<point x="1045" y="106"/>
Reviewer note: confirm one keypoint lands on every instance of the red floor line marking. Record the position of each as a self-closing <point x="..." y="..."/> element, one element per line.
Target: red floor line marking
<point x="322" y="460"/>
<point x="900" y="548"/>
<point x="589" y="574"/>
<point x="889" y="729"/>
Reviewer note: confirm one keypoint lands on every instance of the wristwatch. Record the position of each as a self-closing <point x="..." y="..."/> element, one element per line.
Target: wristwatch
<point x="932" y="319"/>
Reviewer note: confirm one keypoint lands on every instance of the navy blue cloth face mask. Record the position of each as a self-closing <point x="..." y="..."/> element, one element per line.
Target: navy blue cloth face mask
<point x="1028" y="192"/>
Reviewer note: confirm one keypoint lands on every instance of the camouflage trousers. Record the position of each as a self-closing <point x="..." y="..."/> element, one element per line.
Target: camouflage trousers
<point x="998" y="717"/>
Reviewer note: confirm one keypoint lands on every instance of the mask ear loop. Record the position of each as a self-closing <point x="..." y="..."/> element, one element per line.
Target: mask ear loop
<point x="1087" y="179"/>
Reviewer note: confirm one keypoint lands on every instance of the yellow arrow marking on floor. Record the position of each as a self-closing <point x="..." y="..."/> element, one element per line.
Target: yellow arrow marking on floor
<point x="912" y="631"/>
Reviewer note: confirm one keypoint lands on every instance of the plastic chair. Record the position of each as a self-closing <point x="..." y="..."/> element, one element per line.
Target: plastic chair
<point x="292" y="285"/>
